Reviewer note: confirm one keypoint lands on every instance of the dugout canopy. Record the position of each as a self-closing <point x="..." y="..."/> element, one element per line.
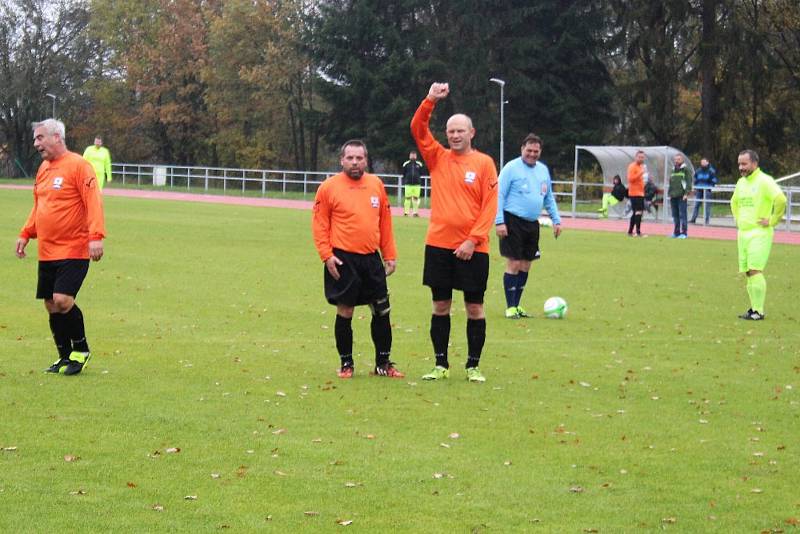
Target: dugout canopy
<point x="615" y="160"/>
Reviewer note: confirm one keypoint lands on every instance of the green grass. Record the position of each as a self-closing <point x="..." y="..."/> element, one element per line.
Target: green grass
<point x="650" y="403"/>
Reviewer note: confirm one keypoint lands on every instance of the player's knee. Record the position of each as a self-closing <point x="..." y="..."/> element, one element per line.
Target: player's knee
<point x="60" y="303"/>
<point x="381" y="307"/>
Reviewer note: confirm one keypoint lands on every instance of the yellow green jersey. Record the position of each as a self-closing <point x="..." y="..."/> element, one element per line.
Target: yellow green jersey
<point x="757" y="197"/>
<point x="100" y="158"/>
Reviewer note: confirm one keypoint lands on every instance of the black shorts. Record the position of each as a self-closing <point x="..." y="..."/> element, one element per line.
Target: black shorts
<point x="61" y="276"/>
<point x="522" y="242"/>
<point x="637" y="203"/>
<point x="444" y="271"/>
<point x="362" y="279"/>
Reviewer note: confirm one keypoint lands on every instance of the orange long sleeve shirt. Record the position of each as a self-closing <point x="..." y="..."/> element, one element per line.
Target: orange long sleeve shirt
<point x="353" y="215"/>
<point x="463" y="189"/>
<point x="67" y="209"/>
<point x="636" y="180"/>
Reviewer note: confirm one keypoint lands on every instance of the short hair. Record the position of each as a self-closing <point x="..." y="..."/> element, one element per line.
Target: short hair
<point x="413" y="152"/>
<point x="752" y="154"/>
<point x="51" y="126"/>
<point x="532" y="139"/>
<point x="353" y="142"/>
<point x="98" y="137"/>
<point x="640" y="151"/>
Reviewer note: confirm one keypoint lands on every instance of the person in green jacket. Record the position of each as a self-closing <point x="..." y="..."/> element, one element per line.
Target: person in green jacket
<point x="680" y="185"/>
<point x="100" y="158"/>
<point x="757" y="205"/>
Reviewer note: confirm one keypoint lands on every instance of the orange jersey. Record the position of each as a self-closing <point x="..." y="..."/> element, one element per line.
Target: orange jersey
<point x="67" y="209"/>
<point x="353" y="215"/>
<point x="463" y="189"/>
<point x="636" y="180"/>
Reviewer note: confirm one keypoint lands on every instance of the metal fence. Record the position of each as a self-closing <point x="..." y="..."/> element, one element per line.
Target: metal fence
<point x="276" y="183"/>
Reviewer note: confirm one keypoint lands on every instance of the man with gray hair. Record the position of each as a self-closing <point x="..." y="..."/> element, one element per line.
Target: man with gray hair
<point x="67" y="219"/>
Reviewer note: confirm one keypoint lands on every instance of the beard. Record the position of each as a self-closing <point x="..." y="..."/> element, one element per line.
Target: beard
<point x="354" y="173"/>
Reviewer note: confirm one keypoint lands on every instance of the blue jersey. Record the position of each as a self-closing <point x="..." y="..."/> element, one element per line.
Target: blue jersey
<point x="524" y="191"/>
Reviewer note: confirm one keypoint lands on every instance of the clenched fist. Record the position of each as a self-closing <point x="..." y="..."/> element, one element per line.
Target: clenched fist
<point x="438" y="91"/>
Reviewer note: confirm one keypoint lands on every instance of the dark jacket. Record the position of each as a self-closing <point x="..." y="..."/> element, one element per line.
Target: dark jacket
<point x="680" y="181"/>
<point x="705" y="177"/>
<point x="412" y="172"/>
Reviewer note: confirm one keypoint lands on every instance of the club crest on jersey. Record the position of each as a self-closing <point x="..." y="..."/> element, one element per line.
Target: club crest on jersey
<point x="544" y="189"/>
<point x="469" y="177"/>
<point x="58" y="182"/>
<point x="375" y="201"/>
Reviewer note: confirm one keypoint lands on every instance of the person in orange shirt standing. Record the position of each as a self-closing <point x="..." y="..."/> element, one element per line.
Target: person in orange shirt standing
<point x="463" y="207"/>
<point x="67" y="219"/>
<point x="637" y="175"/>
<point x="352" y="220"/>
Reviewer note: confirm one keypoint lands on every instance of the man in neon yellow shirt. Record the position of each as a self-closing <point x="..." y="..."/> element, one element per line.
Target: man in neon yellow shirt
<point x="757" y="205"/>
<point x="100" y="158"/>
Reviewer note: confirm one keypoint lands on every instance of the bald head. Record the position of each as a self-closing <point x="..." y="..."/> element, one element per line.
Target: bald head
<point x="460" y="133"/>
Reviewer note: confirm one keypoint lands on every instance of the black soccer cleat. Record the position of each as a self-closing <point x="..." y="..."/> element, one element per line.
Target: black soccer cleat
<point x="77" y="361"/>
<point x="751" y="315"/>
<point x="57" y="365"/>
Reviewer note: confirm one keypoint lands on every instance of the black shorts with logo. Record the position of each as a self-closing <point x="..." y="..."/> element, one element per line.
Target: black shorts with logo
<point x="362" y="279"/>
<point x="61" y="276"/>
<point x="522" y="242"/>
<point x="444" y="271"/>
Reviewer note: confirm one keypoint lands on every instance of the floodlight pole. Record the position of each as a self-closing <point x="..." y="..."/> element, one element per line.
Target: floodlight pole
<point x="502" y="84"/>
<point x="54" y="103"/>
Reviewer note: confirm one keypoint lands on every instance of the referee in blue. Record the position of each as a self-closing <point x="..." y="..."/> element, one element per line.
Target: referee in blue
<point x="525" y="188"/>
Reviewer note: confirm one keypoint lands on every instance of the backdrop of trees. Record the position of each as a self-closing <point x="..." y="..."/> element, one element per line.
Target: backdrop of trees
<point x="281" y="83"/>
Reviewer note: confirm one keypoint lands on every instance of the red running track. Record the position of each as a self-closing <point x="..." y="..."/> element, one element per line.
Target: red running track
<point x="601" y="225"/>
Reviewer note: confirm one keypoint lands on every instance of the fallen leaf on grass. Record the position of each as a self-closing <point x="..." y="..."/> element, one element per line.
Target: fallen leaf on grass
<point x="78" y="492"/>
<point x="71" y="458"/>
<point x="756" y="490"/>
<point x="215" y="475"/>
<point x="172" y="450"/>
<point x="316" y="440"/>
<point x="454" y="435"/>
<point x="793" y="521"/>
<point x="370" y="436"/>
<point x="158" y="507"/>
<point x="241" y="471"/>
<point x="311" y="513"/>
<point x="344" y="522"/>
<point x="352" y="484"/>
<point x="591" y="530"/>
<point x="131" y="485"/>
<point x="280" y="394"/>
<point x="669" y="520"/>
<point x="268" y="518"/>
<point x="279" y="473"/>
<point x="507" y="462"/>
<point x="10" y="449"/>
<point x="445" y="445"/>
<point x="576" y="489"/>
<point x="190" y="498"/>
<point x="279" y="431"/>
<point x="438" y="475"/>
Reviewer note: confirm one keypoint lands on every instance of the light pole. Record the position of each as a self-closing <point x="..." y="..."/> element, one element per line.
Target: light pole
<point x="54" y="103"/>
<point x="502" y="84"/>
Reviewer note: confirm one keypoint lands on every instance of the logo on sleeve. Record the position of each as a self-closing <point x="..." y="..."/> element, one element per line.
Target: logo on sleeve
<point x="544" y="188"/>
<point x="58" y="182"/>
<point x="469" y="177"/>
<point x="375" y="201"/>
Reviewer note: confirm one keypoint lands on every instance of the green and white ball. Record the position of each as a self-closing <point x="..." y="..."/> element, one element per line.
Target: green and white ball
<point x="555" y="308"/>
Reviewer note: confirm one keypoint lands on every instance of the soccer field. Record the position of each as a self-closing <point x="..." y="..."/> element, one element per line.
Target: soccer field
<point x="211" y="401"/>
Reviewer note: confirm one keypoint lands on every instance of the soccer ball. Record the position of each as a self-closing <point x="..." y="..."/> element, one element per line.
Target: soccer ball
<point x="555" y="308"/>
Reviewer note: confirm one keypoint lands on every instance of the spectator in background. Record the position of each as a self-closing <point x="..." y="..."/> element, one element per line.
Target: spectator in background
<point x="705" y="178"/>
<point x="680" y="185"/>
<point x="100" y="158"/>
<point x="617" y="195"/>
<point x="412" y="182"/>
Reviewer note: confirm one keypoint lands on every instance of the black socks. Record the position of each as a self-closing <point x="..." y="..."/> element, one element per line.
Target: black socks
<point x="476" y="337"/>
<point x="343" y="331"/>
<point x="440" y="336"/>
